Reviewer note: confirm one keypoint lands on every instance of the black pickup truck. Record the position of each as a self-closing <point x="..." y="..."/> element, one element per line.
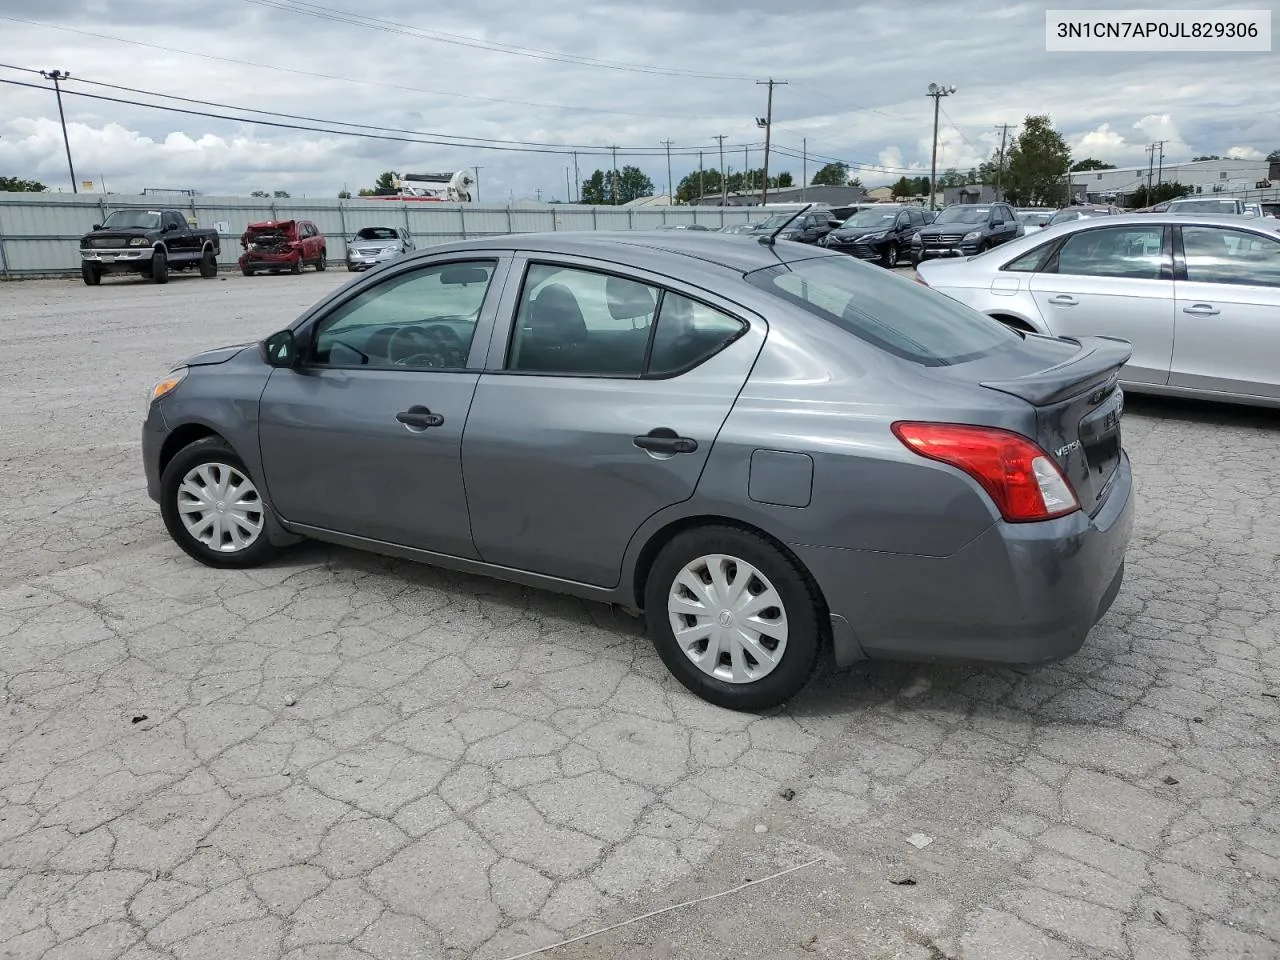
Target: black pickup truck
<point x="149" y="242"/>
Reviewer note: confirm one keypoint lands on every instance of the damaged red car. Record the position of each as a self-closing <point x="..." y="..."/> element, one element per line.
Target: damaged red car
<point x="277" y="245"/>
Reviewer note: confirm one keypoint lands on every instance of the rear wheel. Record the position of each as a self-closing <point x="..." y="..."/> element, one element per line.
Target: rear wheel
<point x="211" y="507"/>
<point x="247" y="271"/>
<point x="91" y="273"/>
<point x="736" y="620"/>
<point x="208" y="265"/>
<point x="160" y="267"/>
<point x="321" y="264"/>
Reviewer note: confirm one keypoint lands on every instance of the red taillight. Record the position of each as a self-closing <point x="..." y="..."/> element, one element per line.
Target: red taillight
<point x="1020" y="477"/>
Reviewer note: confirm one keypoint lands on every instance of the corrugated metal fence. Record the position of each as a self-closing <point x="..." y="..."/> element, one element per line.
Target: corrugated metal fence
<point x="40" y="232"/>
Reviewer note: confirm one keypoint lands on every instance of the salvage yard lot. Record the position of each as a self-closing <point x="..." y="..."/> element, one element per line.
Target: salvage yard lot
<point x="342" y="756"/>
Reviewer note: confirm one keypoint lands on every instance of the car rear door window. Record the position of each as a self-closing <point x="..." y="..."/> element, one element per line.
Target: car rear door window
<point x="1030" y="261"/>
<point x="1218" y="255"/>
<point x="581" y="322"/>
<point x="424" y="319"/>
<point x="688" y="333"/>
<point x="1129" y="252"/>
<point x="904" y="319"/>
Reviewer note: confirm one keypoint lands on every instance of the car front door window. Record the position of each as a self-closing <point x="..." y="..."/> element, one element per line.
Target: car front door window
<point x="1132" y="253"/>
<point x="424" y="319"/>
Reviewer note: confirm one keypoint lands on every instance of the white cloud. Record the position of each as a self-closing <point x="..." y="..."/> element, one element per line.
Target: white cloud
<point x="1245" y="153"/>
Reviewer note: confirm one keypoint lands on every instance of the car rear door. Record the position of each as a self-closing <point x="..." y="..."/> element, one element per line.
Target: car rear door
<point x="1114" y="281"/>
<point x="1227" y="311"/>
<point x="603" y="394"/>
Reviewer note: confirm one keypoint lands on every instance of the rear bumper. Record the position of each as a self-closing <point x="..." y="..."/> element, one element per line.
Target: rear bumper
<point x="1018" y="593"/>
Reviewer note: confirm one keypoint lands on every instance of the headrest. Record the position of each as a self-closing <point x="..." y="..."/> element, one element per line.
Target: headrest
<point x="628" y="299"/>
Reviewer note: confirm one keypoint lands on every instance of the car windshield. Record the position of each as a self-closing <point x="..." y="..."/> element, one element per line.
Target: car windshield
<point x="1065" y="216"/>
<point x="872" y="218"/>
<point x="377" y="233"/>
<point x="128" y="219"/>
<point x="1204" y="206"/>
<point x="1031" y="218"/>
<point x="904" y="319"/>
<point x="777" y="220"/>
<point x="963" y="215"/>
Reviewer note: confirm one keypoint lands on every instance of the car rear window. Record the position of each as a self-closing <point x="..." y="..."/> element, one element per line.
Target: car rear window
<point x="906" y="319"/>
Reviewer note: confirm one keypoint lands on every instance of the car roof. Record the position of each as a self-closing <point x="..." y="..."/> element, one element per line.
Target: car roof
<point x="648" y="249"/>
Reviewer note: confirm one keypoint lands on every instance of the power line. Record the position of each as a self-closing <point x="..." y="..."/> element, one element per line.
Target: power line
<point x="391" y="26"/>
<point x="370" y="83"/>
<point x="631" y="150"/>
<point x="598" y="151"/>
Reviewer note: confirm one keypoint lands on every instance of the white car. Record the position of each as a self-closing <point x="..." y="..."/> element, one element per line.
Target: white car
<point x="1197" y="296"/>
<point x="1034" y="218"/>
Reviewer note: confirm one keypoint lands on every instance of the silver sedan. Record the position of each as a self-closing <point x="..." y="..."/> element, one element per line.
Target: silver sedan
<point x="374" y="245"/>
<point x="1198" y="296"/>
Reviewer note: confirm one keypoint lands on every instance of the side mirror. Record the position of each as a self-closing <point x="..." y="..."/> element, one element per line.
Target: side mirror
<point x="97" y="226"/>
<point x="280" y="350"/>
<point x="170" y="226"/>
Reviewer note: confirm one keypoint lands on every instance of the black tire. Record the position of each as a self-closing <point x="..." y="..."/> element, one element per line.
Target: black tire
<point x="297" y="266"/>
<point x="890" y="258"/>
<point x="807" y="627"/>
<point x="322" y="264"/>
<point x="915" y="259"/>
<point x="160" y="267"/>
<point x="247" y="271"/>
<point x="209" y="451"/>
<point x="91" y="274"/>
<point x="208" y="265"/>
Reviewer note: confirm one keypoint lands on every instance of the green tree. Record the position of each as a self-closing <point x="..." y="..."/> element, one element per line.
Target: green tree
<point x="782" y="180"/>
<point x="632" y="183"/>
<point x="1207" y="156"/>
<point x="1088" y="163"/>
<point x="344" y="194"/>
<point x="261" y="195"/>
<point x="694" y="186"/>
<point x="832" y="175"/>
<point x="281" y="194"/>
<point x="594" y="190"/>
<point x="1159" y="193"/>
<point x="1038" y="163"/>
<point x="386" y="180"/>
<point x="904" y="187"/>
<point x="18" y="185"/>
<point x="856" y="182"/>
<point x="922" y="187"/>
<point x="1273" y="156"/>
<point x="952" y="178"/>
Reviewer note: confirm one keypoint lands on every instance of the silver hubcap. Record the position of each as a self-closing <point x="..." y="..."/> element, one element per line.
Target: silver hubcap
<point x="728" y="618"/>
<point x="220" y="507"/>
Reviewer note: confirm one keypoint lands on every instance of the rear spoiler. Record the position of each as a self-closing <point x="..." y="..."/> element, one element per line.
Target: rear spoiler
<point x="1094" y="368"/>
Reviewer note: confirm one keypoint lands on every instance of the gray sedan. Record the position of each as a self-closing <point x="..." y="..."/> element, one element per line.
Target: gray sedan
<point x="1197" y="296"/>
<point x="374" y="245"/>
<point x="778" y="454"/>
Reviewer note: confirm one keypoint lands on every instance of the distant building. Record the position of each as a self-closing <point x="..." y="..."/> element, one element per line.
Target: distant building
<point x="1205" y="178"/>
<point x="969" y="193"/>
<point x="880" y="194"/>
<point x="832" y="196"/>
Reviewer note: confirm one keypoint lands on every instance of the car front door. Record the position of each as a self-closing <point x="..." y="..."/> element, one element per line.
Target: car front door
<point x="599" y="408"/>
<point x="364" y="437"/>
<point x="1227" y="312"/>
<point x="1117" y="282"/>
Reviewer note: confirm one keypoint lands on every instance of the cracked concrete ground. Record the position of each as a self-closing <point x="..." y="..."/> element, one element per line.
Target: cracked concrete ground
<point x="342" y="757"/>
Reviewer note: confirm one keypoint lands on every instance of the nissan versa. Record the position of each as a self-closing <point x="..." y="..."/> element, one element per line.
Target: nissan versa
<point x="778" y="453"/>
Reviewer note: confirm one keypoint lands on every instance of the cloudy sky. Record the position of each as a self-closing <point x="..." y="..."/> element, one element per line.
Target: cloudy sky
<point x="529" y="81"/>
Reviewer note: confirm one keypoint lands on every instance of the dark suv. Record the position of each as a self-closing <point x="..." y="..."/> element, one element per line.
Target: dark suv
<point x="963" y="229"/>
<point x="882" y="233"/>
<point x="807" y="228"/>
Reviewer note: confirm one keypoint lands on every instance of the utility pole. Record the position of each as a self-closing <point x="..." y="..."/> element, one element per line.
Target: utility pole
<point x="937" y="91"/>
<point x="724" y="183"/>
<point x="538" y="193"/>
<point x="746" y="168"/>
<point x="477" y="184"/>
<point x="615" y="191"/>
<point x="767" y="124"/>
<point x="1004" y="129"/>
<point x="1160" y="169"/>
<point x="577" y="183"/>
<point x="56" y="76"/>
<point x="671" y="188"/>
<point x="1151" y="154"/>
<point x="804" y="167"/>
<point x="702" y="186"/>
<point x="568" y="192"/>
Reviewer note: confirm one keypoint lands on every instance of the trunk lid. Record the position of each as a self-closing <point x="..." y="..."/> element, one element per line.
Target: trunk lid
<point x="271" y="237"/>
<point x="1078" y="404"/>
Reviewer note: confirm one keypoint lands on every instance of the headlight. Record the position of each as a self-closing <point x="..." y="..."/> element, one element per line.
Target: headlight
<point x="871" y="237"/>
<point x="971" y="236"/>
<point x="166" y="385"/>
<point x="138" y="242"/>
<point x="917" y="237"/>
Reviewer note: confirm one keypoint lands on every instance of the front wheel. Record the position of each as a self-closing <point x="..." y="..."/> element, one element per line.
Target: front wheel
<point x="212" y="508"/>
<point x="321" y="264"/>
<point x="890" y="258"/>
<point x="915" y="259"/>
<point x="734" y="618"/>
<point x="208" y="265"/>
<point x="91" y="274"/>
<point x="160" y="267"/>
<point x="296" y="267"/>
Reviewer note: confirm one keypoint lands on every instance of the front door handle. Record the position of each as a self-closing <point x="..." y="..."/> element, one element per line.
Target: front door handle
<point x="1064" y="300"/>
<point x="418" y="418"/>
<point x="1202" y="310"/>
<point x="665" y="440"/>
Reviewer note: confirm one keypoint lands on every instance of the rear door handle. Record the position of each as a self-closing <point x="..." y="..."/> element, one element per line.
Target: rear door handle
<point x="1064" y="300"/>
<point x="418" y="418"/>
<point x="1202" y="310"/>
<point x="665" y="440"/>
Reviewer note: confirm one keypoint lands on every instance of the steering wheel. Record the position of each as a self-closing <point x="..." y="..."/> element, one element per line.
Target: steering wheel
<point x="435" y="345"/>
